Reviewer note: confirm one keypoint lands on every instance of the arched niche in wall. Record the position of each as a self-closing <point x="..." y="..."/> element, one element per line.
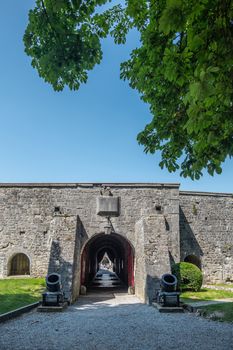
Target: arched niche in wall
<point x="19" y="264"/>
<point x="193" y="259"/>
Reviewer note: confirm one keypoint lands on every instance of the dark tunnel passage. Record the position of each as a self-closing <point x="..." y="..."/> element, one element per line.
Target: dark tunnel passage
<point x="108" y="247"/>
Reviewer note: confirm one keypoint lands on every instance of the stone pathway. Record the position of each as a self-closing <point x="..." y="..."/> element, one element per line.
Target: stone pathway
<point x="113" y="321"/>
<point x="105" y="279"/>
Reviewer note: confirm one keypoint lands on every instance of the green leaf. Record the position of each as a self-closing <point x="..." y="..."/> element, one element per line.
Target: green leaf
<point x="213" y="69"/>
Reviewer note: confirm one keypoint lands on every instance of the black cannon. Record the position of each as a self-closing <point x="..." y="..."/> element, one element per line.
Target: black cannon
<point x="168" y="294"/>
<point x="54" y="296"/>
<point x="53" y="282"/>
<point x="168" y="283"/>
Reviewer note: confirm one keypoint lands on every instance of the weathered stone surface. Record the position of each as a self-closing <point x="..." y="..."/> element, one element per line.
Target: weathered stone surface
<point x="206" y="230"/>
<point x="51" y="223"/>
<point x="107" y="206"/>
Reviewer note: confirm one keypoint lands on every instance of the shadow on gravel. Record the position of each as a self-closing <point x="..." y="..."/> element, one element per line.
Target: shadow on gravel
<point x="105" y="300"/>
<point x="103" y="305"/>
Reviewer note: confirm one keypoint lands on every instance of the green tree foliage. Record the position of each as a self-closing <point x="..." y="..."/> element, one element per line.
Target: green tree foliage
<point x="189" y="276"/>
<point x="183" y="68"/>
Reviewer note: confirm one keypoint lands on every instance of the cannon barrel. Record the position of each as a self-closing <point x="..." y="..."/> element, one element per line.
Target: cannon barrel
<point x="168" y="283"/>
<point x="53" y="282"/>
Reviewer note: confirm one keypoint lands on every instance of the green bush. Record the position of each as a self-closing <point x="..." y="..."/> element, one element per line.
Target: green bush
<point x="189" y="276"/>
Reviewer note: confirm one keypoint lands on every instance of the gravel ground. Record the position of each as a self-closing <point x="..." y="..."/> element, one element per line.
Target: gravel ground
<point x="113" y="323"/>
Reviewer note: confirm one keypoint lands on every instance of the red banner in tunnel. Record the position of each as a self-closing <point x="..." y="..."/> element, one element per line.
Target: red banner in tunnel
<point x="83" y="263"/>
<point x="130" y="266"/>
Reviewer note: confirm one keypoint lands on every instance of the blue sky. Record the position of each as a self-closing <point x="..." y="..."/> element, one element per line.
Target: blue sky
<point x="83" y="136"/>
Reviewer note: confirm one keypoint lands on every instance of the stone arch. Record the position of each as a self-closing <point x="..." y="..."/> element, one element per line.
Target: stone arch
<point x="193" y="259"/>
<point x="19" y="264"/>
<point x="120" y="251"/>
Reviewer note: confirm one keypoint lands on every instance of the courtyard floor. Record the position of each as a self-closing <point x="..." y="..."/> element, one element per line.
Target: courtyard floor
<point x="112" y="321"/>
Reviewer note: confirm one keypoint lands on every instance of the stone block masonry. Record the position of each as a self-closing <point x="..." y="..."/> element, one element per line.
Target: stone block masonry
<point x="206" y="231"/>
<point x="52" y="223"/>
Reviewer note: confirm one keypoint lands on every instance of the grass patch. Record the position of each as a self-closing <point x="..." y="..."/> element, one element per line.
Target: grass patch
<point x="15" y="293"/>
<point x="229" y="285"/>
<point x="218" y="312"/>
<point x="206" y="294"/>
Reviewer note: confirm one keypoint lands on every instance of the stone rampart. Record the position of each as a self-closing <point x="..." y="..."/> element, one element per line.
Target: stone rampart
<point x="51" y="223"/>
<point x="206" y="231"/>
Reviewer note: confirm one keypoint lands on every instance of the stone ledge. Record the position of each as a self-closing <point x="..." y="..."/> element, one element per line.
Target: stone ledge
<point x="59" y="308"/>
<point x="18" y="312"/>
<point x="94" y="184"/>
<point x="168" y="309"/>
<point x="208" y="194"/>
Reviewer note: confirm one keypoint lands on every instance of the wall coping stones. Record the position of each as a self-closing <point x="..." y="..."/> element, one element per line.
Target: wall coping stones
<point x="94" y="184"/>
<point x="208" y="194"/>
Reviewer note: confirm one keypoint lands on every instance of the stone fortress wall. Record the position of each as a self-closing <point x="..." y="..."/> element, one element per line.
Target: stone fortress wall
<point x="206" y="231"/>
<point x="51" y="223"/>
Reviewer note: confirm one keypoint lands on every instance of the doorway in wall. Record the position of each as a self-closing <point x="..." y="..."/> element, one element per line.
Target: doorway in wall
<point x="19" y="265"/>
<point x="107" y="263"/>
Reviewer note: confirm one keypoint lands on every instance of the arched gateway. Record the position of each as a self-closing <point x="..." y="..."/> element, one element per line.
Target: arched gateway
<point x="119" y="251"/>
